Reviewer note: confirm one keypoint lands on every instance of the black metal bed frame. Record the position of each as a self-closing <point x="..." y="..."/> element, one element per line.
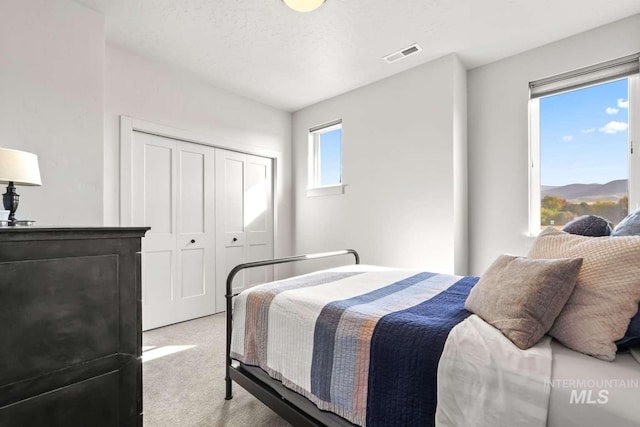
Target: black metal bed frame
<point x="261" y="390"/>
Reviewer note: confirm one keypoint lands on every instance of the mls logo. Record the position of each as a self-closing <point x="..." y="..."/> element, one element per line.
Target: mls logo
<point x="588" y="397"/>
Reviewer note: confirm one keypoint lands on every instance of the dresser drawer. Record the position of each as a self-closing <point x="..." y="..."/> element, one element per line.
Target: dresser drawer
<point x="93" y="402"/>
<point x="62" y="312"/>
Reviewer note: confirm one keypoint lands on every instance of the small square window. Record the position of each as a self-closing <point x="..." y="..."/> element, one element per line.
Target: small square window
<point x="325" y="159"/>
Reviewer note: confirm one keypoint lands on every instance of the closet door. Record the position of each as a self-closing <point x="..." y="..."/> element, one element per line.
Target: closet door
<point x="244" y="210"/>
<point x="173" y="193"/>
<point x="195" y="293"/>
<point x="258" y="217"/>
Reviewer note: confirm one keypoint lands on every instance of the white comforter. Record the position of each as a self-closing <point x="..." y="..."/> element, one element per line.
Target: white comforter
<point x="485" y="380"/>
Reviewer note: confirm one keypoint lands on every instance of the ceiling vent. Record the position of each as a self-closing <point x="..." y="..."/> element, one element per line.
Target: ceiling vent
<point x="401" y="54"/>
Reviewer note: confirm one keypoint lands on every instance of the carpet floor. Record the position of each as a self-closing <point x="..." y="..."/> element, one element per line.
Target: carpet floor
<point x="183" y="380"/>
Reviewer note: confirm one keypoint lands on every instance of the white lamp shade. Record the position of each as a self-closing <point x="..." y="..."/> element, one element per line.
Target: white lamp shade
<point x="19" y="167"/>
<point x="303" y="5"/>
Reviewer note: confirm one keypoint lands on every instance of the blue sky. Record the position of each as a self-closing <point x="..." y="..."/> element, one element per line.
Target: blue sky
<point x="331" y="157"/>
<point x="584" y="135"/>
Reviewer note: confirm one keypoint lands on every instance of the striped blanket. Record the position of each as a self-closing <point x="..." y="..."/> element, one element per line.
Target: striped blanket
<point x="360" y="341"/>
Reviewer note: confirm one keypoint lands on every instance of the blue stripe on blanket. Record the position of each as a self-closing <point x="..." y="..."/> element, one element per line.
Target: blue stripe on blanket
<point x="327" y="324"/>
<point x="405" y="349"/>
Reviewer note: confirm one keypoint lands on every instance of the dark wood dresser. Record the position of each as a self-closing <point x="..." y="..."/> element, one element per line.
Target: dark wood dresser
<point x="70" y="327"/>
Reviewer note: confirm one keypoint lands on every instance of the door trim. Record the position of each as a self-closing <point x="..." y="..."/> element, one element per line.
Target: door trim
<point x="129" y="125"/>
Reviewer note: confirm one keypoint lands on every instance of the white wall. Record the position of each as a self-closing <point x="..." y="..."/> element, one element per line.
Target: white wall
<point x="498" y="133"/>
<point x="400" y="167"/>
<point x="51" y="104"/>
<point x="157" y="93"/>
<point x="460" y="171"/>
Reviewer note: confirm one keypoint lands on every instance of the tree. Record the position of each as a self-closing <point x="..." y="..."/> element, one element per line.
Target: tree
<point x="560" y="211"/>
<point x="624" y="204"/>
<point x="546" y="215"/>
<point x="553" y="203"/>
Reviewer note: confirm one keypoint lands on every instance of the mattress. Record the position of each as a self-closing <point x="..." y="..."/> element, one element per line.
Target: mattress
<point x="586" y="391"/>
<point x="622" y="408"/>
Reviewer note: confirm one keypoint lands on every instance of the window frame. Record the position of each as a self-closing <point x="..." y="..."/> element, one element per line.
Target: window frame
<point x="633" y="149"/>
<point x="314" y="178"/>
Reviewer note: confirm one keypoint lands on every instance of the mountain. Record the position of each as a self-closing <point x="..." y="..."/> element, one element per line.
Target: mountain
<point x="578" y="193"/>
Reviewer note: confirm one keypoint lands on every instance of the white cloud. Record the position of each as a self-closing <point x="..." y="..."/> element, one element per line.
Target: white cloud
<point x="622" y="103"/>
<point x="614" y="127"/>
<point x="567" y="138"/>
<point x="612" y="110"/>
<point x="590" y="130"/>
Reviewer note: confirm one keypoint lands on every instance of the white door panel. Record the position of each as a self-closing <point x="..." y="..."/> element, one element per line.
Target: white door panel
<point x="234" y="255"/>
<point x="230" y="169"/>
<point x="192" y="196"/>
<point x="232" y="191"/>
<point x="173" y="194"/>
<point x="193" y="262"/>
<point x="196" y="230"/>
<point x="158" y="268"/>
<point x="244" y="208"/>
<point x="259" y="274"/>
<point x="158" y="187"/>
<point x="259" y="217"/>
<point x="154" y="186"/>
<point x="257" y="195"/>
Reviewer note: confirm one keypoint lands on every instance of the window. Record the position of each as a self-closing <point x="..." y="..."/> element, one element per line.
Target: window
<point x="325" y="159"/>
<point x="582" y="127"/>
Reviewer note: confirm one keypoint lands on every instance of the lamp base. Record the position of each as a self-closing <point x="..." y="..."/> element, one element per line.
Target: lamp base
<point x="11" y="200"/>
<point x="21" y="223"/>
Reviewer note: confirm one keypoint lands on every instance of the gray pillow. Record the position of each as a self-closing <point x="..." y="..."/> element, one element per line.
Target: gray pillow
<point x="522" y="297"/>
<point x="589" y="225"/>
<point x="630" y="226"/>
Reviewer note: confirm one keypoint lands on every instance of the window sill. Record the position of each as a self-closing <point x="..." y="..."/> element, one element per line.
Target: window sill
<point x="328" y="190"/>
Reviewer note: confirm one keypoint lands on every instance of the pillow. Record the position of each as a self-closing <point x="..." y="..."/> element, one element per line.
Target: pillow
<point x="630" y="226"/>
<point x="606" y="294"/>
<point x="522" y="297"/>
<point x="632" y="337"/>
<point x="589" y="225"/>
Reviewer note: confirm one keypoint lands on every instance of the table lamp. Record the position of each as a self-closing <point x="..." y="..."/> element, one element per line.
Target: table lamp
<point x="17" y="167"/>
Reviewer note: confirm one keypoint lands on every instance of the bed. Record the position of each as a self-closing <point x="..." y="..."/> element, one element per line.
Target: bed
<point x="362" y="345"/>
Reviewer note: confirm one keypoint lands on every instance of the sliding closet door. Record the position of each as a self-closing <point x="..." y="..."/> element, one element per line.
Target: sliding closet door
<point x="195" y="293"/>
<point x="244" y="210"/>
<point x="173" y="193"/>
<point x="258" y="217"/>
<point x="154" y="205"/>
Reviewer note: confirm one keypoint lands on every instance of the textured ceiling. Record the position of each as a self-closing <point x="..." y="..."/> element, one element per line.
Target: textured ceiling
<point x="262" y="50"/>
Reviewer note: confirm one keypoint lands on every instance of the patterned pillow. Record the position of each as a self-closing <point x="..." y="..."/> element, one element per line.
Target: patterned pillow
<point x="607" y="292"/>
<point x="589" y="225"/>
<point x="522" y="297"/>
<point x="630" y="226"/>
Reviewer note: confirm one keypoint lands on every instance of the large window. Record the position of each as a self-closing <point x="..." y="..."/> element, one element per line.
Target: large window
<point x="583" y="162"/>
<point x="325" y="159"/>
